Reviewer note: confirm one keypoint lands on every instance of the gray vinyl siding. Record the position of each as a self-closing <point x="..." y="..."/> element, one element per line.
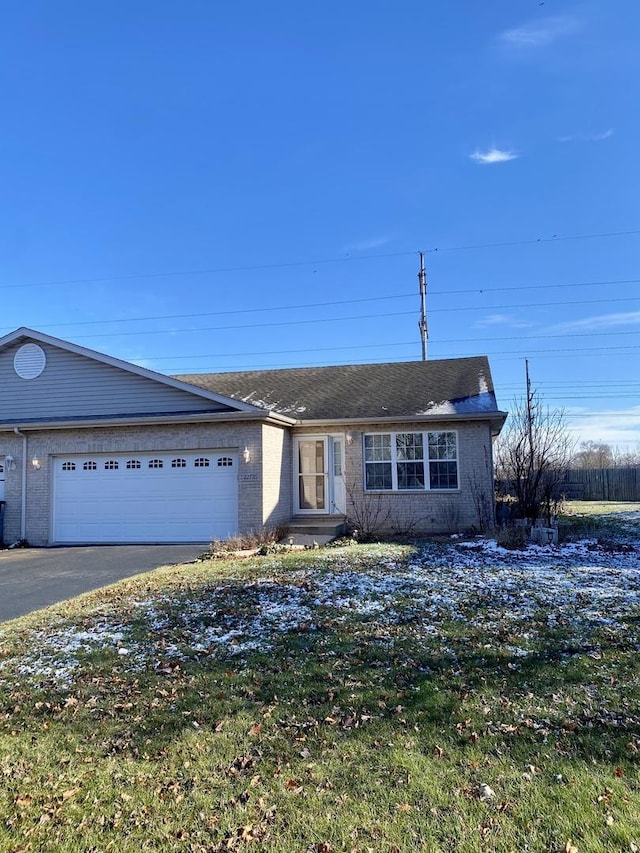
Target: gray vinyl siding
<point x="72" y="386"/>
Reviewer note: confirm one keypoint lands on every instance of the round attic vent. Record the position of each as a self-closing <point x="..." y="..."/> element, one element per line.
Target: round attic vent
<point x="29" y="361"/>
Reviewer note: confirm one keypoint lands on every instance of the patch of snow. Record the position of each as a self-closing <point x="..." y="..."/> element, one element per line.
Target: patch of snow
<point x="482" y="402"/>
<point x="511" y="597"/>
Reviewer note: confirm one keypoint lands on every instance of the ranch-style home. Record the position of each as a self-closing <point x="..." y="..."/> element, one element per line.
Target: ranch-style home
<point x="96" y="450"/>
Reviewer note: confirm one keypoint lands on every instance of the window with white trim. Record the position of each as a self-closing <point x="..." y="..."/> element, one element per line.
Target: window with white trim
<point x="156" y="463"/>
<point x="68" y="466"/>
<point x="89" y="466"/>
<point x="133" y="464"/>
<point x="411" y="461"/>
<point x="111" y="465"/>
<point x="201" y="462"/>
<point x="178" y="463"/>
<point x="225" y="462"/>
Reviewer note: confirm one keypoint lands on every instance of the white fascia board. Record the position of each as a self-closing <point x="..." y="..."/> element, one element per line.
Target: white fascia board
<point x="32" y="334"/>
<point x="198" y="417"/>
<point x="497" y="418"/>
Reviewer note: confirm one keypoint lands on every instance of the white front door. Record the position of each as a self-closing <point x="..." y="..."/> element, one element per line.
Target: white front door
<point x="319" y="475"/>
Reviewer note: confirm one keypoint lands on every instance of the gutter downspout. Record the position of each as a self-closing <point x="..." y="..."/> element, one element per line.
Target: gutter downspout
<point x="23" y="490"/>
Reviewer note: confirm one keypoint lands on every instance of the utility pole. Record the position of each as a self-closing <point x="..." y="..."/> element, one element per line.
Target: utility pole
<point x="422" y="322"/>
<point x="530" y="414"/>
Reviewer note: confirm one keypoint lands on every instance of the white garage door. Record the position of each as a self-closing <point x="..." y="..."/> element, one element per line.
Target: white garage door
<point x="145" y="497"/>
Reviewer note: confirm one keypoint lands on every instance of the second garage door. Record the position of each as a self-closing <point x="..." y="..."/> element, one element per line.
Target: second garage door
<point x="150" y="497"/>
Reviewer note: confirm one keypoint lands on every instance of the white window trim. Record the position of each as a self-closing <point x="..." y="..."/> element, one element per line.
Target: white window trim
<point x="426" y="460"/>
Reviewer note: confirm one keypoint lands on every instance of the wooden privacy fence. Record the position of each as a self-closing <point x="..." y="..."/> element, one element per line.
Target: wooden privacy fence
<point x="601" y="484"/>
<point x="591" y="484"/>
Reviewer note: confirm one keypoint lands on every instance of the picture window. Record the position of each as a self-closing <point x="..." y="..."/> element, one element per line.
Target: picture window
<point x="411" y="461"/>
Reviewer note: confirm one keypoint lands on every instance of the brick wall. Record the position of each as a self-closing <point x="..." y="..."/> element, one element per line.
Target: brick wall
<point x="471" y="506"/>
<point x="276" y="475"/>
<point x="47" y="443"/>
<point x="265" y="483"/>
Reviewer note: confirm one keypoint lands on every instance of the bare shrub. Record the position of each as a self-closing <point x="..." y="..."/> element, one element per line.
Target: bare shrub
<point x="448" y="515"/>
<point x="512" y="536"/>
<point x="251" y="541"/>
<point x="368" y="517"/>
<point x="403" y="523"/>
<point x="483" y="501"/>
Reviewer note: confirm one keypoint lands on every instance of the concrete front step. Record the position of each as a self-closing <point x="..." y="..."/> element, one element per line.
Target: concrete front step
<point x="308" y="540"/>
<point x="307" y="531"/>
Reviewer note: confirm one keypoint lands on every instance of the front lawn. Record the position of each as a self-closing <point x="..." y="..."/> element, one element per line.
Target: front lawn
<point x="437" y="697"/>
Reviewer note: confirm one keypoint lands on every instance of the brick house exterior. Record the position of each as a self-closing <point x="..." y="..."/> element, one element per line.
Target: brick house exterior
<point x="97" y="450"/>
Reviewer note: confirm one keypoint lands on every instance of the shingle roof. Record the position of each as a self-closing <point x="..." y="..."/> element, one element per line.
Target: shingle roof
<point x="397" y="389"/>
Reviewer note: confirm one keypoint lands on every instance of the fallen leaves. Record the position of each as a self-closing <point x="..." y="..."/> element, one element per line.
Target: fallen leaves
<point x="358" y="712"/>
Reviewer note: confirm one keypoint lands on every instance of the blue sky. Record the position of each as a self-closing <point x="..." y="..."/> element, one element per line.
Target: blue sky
<point x="213" y="185"/>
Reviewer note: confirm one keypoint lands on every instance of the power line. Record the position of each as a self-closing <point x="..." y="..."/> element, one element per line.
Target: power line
<point x="322" y="261"/>
<point x="335" y="302"/>
<point x="553" y="239"/>
<point x="388" y="344"/>
<point x="599" y="352"/>
<point x="316" y="320"/>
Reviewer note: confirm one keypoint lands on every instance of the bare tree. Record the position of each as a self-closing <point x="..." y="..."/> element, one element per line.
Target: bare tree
<point x="628" y="458"/>
<point x="594" y="454"/>
<point x="532" y="456"/>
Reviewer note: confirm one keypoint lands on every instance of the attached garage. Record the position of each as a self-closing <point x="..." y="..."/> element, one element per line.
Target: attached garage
<point x="145" y="497"/>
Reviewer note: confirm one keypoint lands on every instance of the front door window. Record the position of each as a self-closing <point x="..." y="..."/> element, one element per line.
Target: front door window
<point x="312" y="475"/>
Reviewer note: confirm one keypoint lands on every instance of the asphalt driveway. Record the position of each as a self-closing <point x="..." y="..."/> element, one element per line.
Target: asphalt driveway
<point x="32" y="578"/>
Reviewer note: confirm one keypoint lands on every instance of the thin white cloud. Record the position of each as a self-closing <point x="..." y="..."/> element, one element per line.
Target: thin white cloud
<point x="493" y="155"/>
<point x="536" y="34"/>
<point x="501" y="320"/>
<point x="600" y="321"/>
<point x="367" y="244"/>
<point x="619" y="428"/>
<point x="587" y="137"/>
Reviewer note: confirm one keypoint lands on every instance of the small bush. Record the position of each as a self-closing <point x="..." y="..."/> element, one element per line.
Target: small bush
<point x="266" y="538"/>
<point x="512" y="536"/>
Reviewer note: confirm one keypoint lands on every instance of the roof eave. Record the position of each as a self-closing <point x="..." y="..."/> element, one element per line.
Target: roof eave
<point x="150" y="420"/>
<point x="497" y="418"/>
